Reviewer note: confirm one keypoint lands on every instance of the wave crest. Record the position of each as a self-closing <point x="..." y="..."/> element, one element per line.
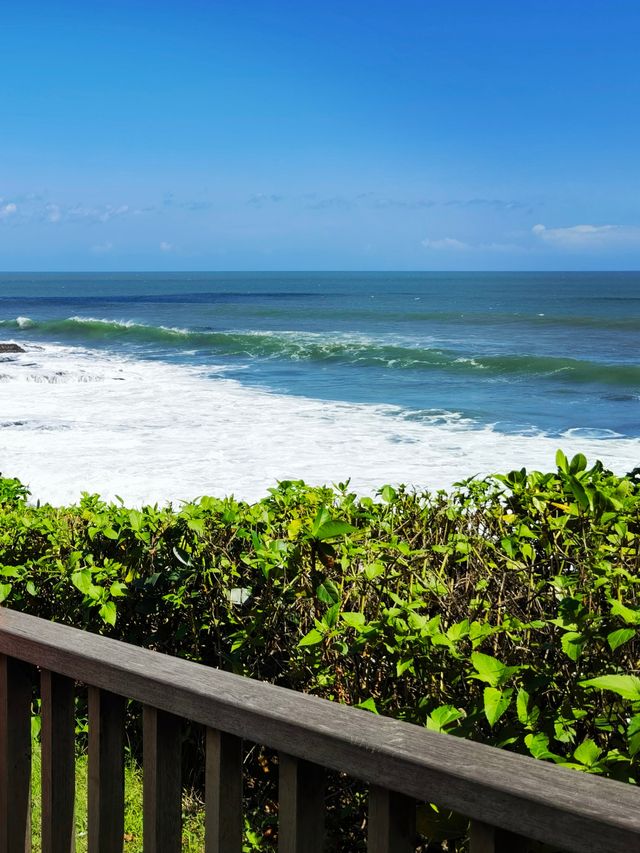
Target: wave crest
<point x="320" y="348"/>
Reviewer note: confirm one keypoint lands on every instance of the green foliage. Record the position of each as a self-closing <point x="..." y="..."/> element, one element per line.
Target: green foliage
<point x="506" y="611"/>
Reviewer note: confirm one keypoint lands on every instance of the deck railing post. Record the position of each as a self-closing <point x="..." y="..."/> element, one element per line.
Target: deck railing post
<point x="15" y="756"/>
<point x="391" y="826"/>
<point x="484" y="838"/>
<point x="58" y="763"/>
<point x="106" y="771"/>
<point x="301" y="809"/>
<point x="515" y="803"/>
<point x="223" y="790"/>
<point x="162" y="788"/>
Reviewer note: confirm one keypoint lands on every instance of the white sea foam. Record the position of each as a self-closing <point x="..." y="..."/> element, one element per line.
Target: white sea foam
<point x="589" y="432"/>
<point x="155" y="432"/>
<point x="124" y="324"/>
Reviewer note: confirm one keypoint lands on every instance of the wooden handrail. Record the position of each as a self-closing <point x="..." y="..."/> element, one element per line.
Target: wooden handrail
<point x="492" y="787"/>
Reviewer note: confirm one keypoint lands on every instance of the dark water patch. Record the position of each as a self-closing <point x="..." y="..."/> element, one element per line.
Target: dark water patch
<point x="158" y="298"/>
<point x="621" y="398"/>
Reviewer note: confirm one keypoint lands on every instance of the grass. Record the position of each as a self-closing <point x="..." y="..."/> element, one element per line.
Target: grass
<point x="192" y="809"/>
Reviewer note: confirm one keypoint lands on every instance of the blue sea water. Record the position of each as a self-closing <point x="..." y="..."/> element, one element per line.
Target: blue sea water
<point x="517" y="354"/>
<point x="522" y="351"/>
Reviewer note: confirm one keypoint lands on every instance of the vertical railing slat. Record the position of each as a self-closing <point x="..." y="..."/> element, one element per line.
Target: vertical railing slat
<point x="484" y="838"/>
<point x="15" y="756"/>
<point x="391" y="822"/>
<point x="162" y="789"/>
<point x="301" y="809"/>
<point x="223" y="787"/>
<point x="106" y="771"/>
<point x="58" y="763"/>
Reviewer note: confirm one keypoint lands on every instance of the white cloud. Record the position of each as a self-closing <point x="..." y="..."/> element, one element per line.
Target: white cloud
<point x="449" y="243"/>
<point x="7" y="210"/>
<point x="36" y="210"/>
<point x="589" y="236"/>
<point x="165" y="247"/>
<point x="260" y="199"/>
<point x="102" y="248"/>
<point x="103" y="213"/>
<point x="454" y="245"/>
<point x="378" y="201"/>
<point x="53" y="213"/>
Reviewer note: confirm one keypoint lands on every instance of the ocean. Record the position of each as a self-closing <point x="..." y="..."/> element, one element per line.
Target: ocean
<point x="167" y="386"/>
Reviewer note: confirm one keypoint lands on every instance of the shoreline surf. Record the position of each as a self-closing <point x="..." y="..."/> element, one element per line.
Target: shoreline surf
<point x="77" y="419"/>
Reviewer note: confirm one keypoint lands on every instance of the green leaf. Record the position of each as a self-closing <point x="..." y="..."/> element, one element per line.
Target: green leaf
<point x="135" y="519"/>
<point x="387" y="493"/>
<point x="627" y="686"/>
<point x="442" y="717"/>
<point x="367" y="705"/>
<point x="82" y="581"/>
<point x="327" y="593"/>
<point x="572" y="643"/>
<point x="458" y="631"/>
<point x="109" y="532"/>
<point x="403" y="665"/>
<point x="331" y="616"/>
<point x="311" y="639"/>
<point x="538" y="746"/>
<point x="496" y="703"/>
<point x="491" y="670"/>
<point x="522" y="706"/>
<point x="197" y="525"/>
<point x="373" y="570"/>
<point x="633" y="735"/>
<point x="31" y="588"/>
<point x="36" y="726"/>
<point x="354" y="620"/>
<point x="619" y="637"/>
<point x="324" y="527"/>
<point x="579" y="493"/>
<point x="323" y="516"/>
<point x="108" y="612"/>
<point x="561" y="461"/>
<point x="9" y="572"/>
<point x="331" y="529"/>
<point x="587" y="753"/>
<point x="627" y="614"/>
<point x="5" y="590"/>
<point x="578" y="463"/>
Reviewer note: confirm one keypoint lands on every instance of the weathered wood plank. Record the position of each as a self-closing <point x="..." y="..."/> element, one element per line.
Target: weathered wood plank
<point x="391" y="824"/>
<point x="517" y="793"/>
<point x="106" y="771"/>
<point x="162" y="790"/>
<point x="15" y="756"/>
<point x="223" y="787"/>
<point x="301" y="806"/>
<point x="58" y="762"/>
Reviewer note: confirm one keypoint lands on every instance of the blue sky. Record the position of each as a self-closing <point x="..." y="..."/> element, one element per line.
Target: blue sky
<point x="269" y="134"/>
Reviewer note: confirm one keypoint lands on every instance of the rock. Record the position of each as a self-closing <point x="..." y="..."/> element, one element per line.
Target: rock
<point x="11" y="348"/>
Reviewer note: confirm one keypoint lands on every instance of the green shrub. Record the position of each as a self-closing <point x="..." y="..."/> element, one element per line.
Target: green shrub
<point x="506" y="611"/>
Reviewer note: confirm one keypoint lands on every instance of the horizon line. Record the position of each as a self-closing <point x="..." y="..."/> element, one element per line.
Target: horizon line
<point x="314" y="271"/>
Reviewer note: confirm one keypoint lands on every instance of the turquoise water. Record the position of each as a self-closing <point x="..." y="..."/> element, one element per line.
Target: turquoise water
<point x="549" y="353"/>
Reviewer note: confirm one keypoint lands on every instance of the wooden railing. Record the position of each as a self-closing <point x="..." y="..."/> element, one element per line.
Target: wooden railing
<point x="510" y="799"/>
